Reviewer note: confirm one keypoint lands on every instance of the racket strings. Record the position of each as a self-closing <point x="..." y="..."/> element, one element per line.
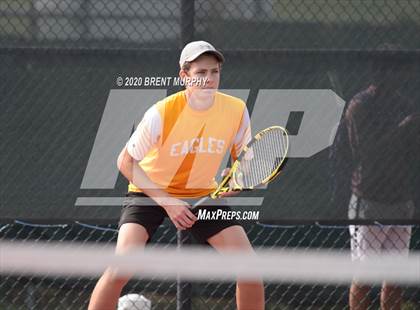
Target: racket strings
<point x="262" y="159"/>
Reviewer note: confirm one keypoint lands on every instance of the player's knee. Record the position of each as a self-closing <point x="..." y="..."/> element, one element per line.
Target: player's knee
<point x="256" y="286"/>
<point x="115" y="280"/>
<point x="120" y="282"/>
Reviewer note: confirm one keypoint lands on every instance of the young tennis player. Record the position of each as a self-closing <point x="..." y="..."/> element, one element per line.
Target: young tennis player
<point x="175" y="153"/>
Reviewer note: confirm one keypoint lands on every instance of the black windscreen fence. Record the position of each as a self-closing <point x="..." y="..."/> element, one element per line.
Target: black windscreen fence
<point x="66" y="114"/>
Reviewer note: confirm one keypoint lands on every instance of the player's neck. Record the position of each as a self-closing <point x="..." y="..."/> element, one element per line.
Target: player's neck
<point x="200" y="100"/>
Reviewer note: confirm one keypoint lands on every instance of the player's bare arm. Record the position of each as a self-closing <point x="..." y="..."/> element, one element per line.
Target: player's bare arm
<point x="178" y="210"/>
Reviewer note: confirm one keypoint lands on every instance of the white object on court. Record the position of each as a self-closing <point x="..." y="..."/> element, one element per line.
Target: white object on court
<point x="134" y="302"/>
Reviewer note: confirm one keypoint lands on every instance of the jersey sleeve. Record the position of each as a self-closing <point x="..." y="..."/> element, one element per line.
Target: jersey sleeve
<point x="243" y="136"/>
<point x="146" y="134"/>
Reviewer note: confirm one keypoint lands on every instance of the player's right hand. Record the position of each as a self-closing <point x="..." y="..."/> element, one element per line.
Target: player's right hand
<point x="178" y="211"/>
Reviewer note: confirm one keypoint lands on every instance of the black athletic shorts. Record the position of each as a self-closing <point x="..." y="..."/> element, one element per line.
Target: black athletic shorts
<point x="152" y="216"/>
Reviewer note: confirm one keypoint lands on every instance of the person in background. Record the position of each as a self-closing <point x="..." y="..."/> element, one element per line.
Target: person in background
<point x="375" y="155"/>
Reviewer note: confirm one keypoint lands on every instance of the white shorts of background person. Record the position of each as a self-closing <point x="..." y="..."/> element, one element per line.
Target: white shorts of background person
<point x="377" y="239"/>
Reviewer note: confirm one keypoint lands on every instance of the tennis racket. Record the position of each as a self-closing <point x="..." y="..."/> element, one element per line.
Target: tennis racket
<point x="258" y="164"/>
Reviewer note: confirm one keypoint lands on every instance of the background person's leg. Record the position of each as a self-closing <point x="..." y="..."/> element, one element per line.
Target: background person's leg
<point x="364" y="240"/>
<point x="359" y="296"/>
<point x="397" y="241"/>
<point x="391" y="297"/>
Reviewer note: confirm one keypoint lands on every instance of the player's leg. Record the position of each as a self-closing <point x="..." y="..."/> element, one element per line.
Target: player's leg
<point x="364" y="240"/>
<point x="397" y="241"/>
<point x="137" y="224"/>
<point x="249" y="294"/>
<point x="225" y="236"/>
<point x="108" y="288"/>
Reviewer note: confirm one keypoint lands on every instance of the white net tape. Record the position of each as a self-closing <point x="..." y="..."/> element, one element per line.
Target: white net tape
<point x="203" y="264"/>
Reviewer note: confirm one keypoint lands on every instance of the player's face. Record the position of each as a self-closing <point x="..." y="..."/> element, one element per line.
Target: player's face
<point x="204" y="73"/>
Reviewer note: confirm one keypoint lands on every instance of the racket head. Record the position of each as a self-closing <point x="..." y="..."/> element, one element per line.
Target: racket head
<point x="259" y="162"/>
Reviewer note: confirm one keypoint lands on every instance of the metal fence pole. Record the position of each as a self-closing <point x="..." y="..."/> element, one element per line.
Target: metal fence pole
<point x="183" y="288"/>
<point x="187" y="21"/>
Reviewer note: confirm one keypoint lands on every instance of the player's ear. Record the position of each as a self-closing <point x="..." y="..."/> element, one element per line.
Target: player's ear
<point x="183" y="73"/>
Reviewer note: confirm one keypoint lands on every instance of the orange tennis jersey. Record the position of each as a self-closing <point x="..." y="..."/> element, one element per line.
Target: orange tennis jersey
<point x="181" y="149"/>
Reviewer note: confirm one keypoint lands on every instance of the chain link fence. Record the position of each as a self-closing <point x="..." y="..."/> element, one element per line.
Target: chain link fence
<point x="23" y="292"/>
<point x="61" y="61"/>
<point x="250" y="24"/>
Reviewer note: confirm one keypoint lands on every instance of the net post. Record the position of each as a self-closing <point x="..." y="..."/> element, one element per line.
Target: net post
<point x="183" y="288"/>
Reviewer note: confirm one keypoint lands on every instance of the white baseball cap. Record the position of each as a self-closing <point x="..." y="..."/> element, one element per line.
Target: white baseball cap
<point x="194" y="49"/>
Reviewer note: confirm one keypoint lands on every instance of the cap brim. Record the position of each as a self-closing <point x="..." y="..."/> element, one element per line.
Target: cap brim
<point x="218" y="55"/>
